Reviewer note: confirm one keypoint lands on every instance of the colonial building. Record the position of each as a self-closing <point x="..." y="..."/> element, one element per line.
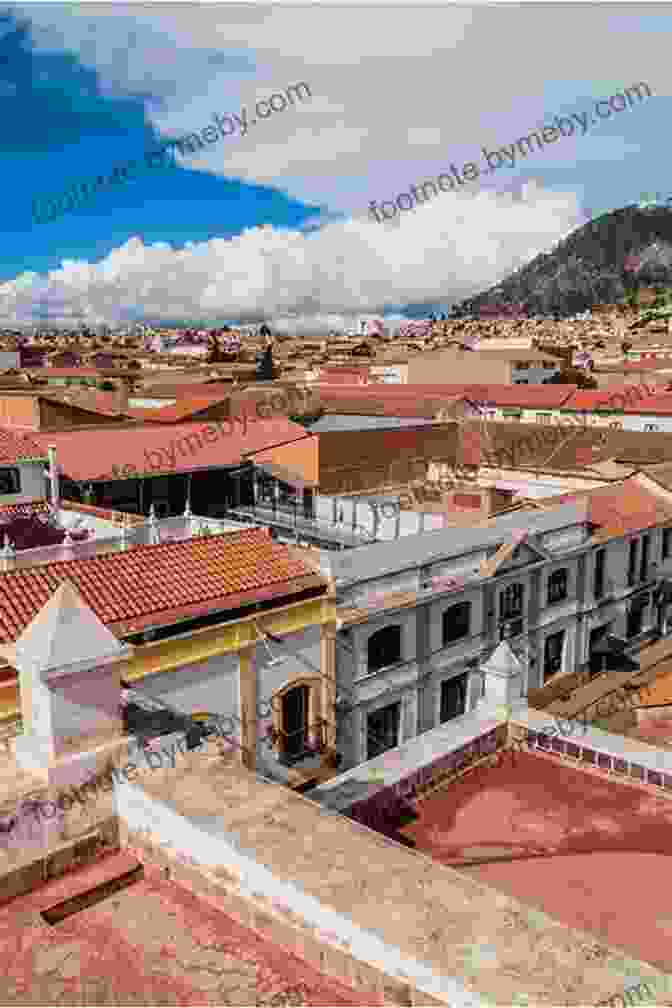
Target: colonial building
<point x="210" y="626"/>
<point x="420" y="618"/>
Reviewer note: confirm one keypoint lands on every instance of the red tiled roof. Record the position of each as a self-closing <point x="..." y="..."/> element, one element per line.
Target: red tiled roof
<point x="15" y="447"/>
<point x="531" y="396"/>
<point x="64" y="372"/>
<point x="611" y="397"/>
<point x="90" y="454"/>
<point x="660" y="403"/>
<point x="104" y="403"/>
<point x="175" y="390"/>
<point x="32" y="505"/>
<point x="526" y="396"/>
<point x="41" y="506"/>
<point x="622" y="508"/>
<point x="149" y="585"/>
<point x="663" y="364"/>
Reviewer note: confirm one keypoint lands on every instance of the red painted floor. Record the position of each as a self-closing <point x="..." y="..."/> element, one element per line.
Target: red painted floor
<point x="608" y="847"/>
<point x="153" y="943"/>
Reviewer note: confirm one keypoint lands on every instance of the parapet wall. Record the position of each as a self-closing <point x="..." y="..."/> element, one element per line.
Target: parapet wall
<point x="220" y="888"/>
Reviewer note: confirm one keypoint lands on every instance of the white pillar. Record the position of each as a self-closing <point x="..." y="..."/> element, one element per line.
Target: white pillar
<point x="54" y="478"/>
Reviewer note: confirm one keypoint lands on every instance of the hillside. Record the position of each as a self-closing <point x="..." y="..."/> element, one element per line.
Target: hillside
<point x="601" y="262"/>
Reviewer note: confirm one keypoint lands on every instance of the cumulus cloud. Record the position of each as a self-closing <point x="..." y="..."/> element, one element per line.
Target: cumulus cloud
<point x="442" y="81"/>
<point x="447" y="249"/>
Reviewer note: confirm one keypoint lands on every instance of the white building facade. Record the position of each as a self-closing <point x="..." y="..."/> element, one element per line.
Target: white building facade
<point x="420" y="618"/>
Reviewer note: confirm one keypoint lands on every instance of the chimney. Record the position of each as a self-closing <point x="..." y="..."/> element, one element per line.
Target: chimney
<point x="54" y="478"/>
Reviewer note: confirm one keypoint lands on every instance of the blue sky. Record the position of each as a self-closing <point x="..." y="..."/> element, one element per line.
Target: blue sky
<point x="276" y="224"/>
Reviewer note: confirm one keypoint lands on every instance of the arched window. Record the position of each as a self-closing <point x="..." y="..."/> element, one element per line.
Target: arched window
<point x="456" y="622"/>
<point x="384" y="648"/>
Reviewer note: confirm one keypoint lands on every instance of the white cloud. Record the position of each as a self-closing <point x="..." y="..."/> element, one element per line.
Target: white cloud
<point x="452" y="246"/>
<point x="399" y="92"/>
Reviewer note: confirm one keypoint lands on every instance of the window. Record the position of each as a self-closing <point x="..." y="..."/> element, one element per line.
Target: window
<point x="382" y="730"/>
<point x="651" y="427"/>
<point x="666" y="543"/>
<point x="384" y="648"/>
<point x="598" y="577"/>
<point x="557" y="586"/>
<point x="522" y="365"/>
<point x="632" y="561"/>
<point x="453" y="698"/>
<point x="553" y="654"/>
<point x="456" y="622"/>
<point x="511" y="602"/>
<point x="10" y="481"/>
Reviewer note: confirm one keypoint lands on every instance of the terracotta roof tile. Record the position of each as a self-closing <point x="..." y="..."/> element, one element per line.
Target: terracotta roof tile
<point x="150" y="585"/>
<point x="621" y="509"/>
<point x="42" y="507"/>
<point x="15" y="446"/>
<point x="64" y="372"/>
<point x="660" y="404"/>
<point x="544" y="396"/>
<point x="611" y="397"/>
<point x="104" y="403"/>
<point x="90" y="454"/>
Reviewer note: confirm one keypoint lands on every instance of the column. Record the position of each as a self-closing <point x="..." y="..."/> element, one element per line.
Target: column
<point x="247" y="672"/>
<point x="328" y="682"/>
<point x="409" y="716"/>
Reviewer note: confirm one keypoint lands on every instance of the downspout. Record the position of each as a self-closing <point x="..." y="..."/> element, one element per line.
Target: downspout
<point x="54" y="479"/>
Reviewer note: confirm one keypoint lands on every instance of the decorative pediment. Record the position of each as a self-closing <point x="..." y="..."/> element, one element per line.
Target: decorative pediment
<point x="527" y="553"/>
<point x="517" y="552"/>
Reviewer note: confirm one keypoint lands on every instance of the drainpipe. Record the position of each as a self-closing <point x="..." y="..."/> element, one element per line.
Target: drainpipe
<point x="54" y="478"/>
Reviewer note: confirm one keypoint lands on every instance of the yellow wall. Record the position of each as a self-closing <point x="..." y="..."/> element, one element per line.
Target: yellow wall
<point x="201" y="645"/>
